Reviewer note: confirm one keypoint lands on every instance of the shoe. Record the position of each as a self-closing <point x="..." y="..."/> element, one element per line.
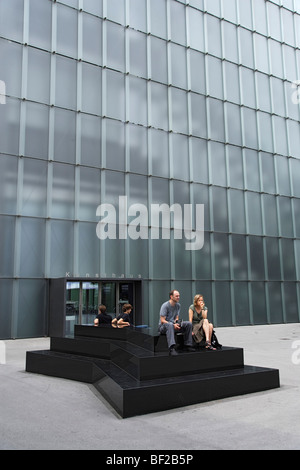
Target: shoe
<point x="209" y="347"/>
<point x="173" y="352"/>
<point x="189" y="349"/>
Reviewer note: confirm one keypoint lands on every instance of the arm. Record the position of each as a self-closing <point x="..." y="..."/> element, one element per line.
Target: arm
<point x="121" y="322"/>
<point x="191" y="314"/>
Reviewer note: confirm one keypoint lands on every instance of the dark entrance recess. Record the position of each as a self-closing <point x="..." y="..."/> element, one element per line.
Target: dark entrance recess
<point x="75" y="301"/>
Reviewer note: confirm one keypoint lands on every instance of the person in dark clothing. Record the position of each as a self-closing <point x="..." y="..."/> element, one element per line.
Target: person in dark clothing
<point x="102" y="317"/>
<point x="124" y="318"/>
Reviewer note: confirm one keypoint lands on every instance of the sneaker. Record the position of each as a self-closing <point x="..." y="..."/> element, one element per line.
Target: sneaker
<point x="173" y="352"/>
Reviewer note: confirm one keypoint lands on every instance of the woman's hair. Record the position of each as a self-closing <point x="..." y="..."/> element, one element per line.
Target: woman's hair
<point x="196" y="298"/>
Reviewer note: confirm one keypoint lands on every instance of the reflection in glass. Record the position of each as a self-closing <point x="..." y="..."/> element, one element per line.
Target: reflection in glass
<point x="241" y="303"/>
<point x="72" y="306"/>
<point x="90" y="302"/>
<point x="239" y="261"/>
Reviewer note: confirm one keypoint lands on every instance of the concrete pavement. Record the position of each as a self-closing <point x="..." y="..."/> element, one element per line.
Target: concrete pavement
<point x="45" y="413"/>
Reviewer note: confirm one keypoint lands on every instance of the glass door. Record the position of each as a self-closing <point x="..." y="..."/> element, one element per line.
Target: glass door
<point x="83" y="298"/>
<point x="72" y="306"/>
<point x="125" y="296"/>
<point x="108" y="297"/>
<point x="90" y="302"/>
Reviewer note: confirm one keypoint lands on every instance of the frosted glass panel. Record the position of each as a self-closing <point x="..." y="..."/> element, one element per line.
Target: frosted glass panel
<point x="177" y="15"/>
<point x="115" y="43"/>
<point x="92" y="38"/>
<point x="90" y="140"/>
<point x="38" y="81"/>
<point x="116" y="10"/>
<point x="40" y="21"/>
<point x="179" y="111"/>
<point x="32" y="248"/>
<point x="221" y="256"/>
<point x="180" y="152"/>
<point x="137" y="53"/>
<point x="61" y="248"/>
<point x="115" y="95"/>
<point x="158" y="17"/>
<point x="196" y="30"/>
<point x="8" y="184"/>
<point x="270" y="215"/>
<point x="138" y="14"/>
<point x="89" y="250"/>
<point x="11" y="67"/>
<point x="34" y="188"/>
<point x="10" y="126"/>
<point x="91" y="100"/>
<point x="6" y="297"/>
<point x="159" y="152"/>
<point x="65" y="89"/>
<point x="67" y="35"/>
<point x="159" y="69"/>
<point x="65" y="136"/>
<point x="89" y="193"/>
<point x="7" y="250"/>
<point x="115" y="144"/>
<point x="239" y="260"/>
<point x="63" y="191"/>
<point x="138" y="101"/>
<point x="11" y="19"/>
<point x="241" y="302"/>
<point x="37" y="130"/>
<point x="138" y="149"/>
<point x="159" y="106"/>
<point x="178" y="61"/>
<point x="32" y="321"/>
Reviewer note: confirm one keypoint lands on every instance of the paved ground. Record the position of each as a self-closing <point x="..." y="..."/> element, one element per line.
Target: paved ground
<point x="45" y="413"/>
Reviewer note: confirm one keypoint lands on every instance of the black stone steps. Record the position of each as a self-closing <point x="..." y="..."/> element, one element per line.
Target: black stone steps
<point x="136" y="375"/>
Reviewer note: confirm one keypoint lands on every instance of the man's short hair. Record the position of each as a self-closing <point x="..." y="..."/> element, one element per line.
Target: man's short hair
<point x="172" y="292"/>
<point x="102" y="308"/>
<point x="126" y="307"/>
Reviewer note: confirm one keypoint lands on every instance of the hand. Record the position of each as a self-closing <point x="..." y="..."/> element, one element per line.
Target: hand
<point x="177" y="326"/>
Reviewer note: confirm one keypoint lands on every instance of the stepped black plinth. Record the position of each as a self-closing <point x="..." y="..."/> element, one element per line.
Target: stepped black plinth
<point x="133" y="371"/>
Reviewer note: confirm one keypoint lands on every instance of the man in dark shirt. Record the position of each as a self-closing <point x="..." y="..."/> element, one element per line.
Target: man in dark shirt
<point x="102" y="317"/>
<point x="124" y="318"/>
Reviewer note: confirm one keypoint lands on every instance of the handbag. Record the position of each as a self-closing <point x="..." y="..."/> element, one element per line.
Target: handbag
<point x="214" y="341"/>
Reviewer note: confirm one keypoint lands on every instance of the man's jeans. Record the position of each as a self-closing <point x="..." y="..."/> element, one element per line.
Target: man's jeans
<point x="169" y="330"/>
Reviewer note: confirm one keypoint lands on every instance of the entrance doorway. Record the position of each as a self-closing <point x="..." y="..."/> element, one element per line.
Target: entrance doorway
<point x="78" y="301"/>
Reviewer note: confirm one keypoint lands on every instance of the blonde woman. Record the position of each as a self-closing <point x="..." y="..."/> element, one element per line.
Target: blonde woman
<point x="202" y="328"/>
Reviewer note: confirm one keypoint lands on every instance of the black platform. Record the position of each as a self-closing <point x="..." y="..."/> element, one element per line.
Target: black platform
<point x="133" y="371"/>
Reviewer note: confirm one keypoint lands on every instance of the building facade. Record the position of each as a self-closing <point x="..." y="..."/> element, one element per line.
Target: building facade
<point x="180" y="102"/>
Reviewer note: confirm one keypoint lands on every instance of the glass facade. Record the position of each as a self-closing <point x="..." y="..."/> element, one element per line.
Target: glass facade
<point x="161" y="101"/>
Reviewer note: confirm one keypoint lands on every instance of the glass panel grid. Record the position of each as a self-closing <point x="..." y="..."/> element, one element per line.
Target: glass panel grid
<point x="152" y="94"/>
